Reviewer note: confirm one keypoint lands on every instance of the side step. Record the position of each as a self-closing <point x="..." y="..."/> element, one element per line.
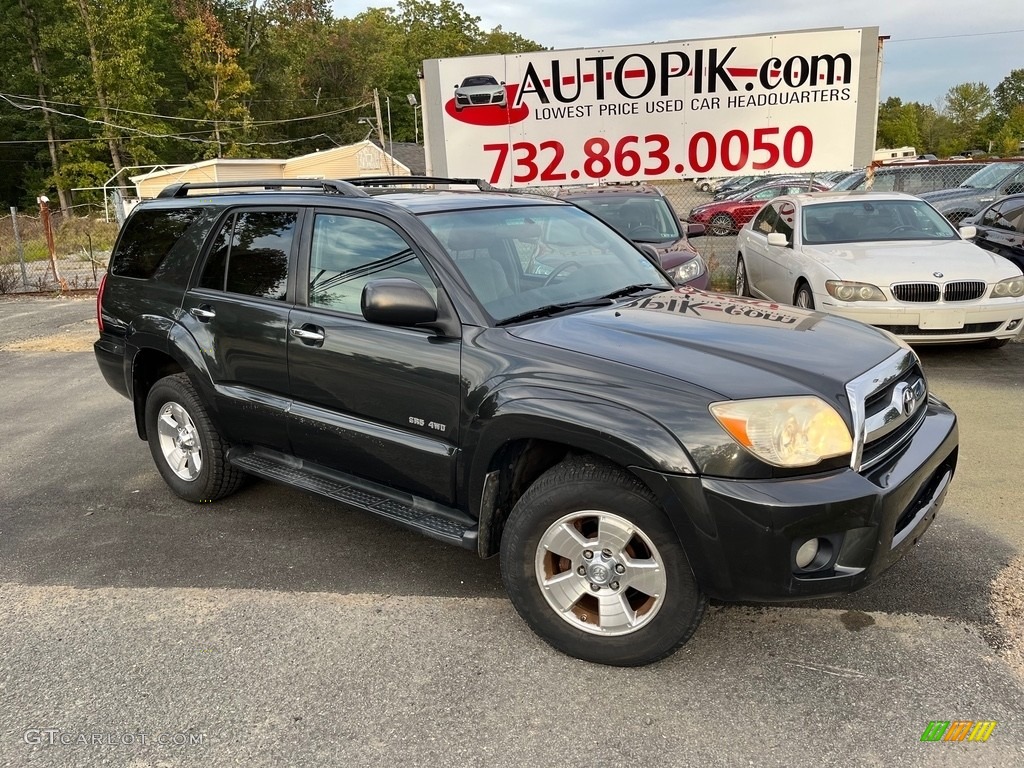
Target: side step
<point x="435" y="520"/>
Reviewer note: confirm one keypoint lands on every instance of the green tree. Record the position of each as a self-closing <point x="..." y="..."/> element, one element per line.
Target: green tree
<point x="217" y="83"/>
<point x="1009" y="94"/>
<point x="967" y="106"/>
<point x="1008" y="139"/>
<point x="897" y="124"/>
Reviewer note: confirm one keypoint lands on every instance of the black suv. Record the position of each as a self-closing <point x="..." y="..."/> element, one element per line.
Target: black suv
<point x="983" y="187"/>
<point x="629" y="448"/>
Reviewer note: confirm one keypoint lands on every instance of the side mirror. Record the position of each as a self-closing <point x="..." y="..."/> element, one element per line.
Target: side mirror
<point x="695" y="230"/>
<point x="777" y="238"/>
<point x="502" y="82"/>
<point x="967" y="233"/>
<point x="397" y="301"/>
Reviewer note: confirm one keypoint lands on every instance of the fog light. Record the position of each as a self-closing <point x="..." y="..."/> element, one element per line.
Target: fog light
<point x="1012" y="325"/>
<point x="806" y="554"/>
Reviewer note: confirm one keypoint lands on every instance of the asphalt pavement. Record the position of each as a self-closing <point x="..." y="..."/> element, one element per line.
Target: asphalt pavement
<point x="275" y="628"/>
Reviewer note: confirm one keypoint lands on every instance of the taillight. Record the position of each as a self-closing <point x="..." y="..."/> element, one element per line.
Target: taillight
<point x="99" y="302"/>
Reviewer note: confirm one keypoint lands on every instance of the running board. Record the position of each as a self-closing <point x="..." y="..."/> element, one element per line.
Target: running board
<point x="429" y="518"/>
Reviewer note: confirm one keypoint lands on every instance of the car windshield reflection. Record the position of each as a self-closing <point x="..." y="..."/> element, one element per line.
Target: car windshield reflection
<point x="520" y="259"/>
<point x="868" y="221"/>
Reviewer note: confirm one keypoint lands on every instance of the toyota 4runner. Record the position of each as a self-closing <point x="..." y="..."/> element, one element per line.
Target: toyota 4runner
<point x="628" y="448"/>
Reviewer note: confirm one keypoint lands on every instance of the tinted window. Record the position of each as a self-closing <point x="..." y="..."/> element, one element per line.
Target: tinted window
<point x="766" y="194"/>
<point x="148" y="238"/>
<point x="765" y="221"/>
<point x="250" y="254"/>
<point x="348" y="252"/>
<point x="1009" y="215"/>
<point x="784" y="220"/>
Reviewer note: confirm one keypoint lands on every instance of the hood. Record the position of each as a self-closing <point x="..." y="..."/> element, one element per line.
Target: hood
<point x="912" y="261"/>
<point x="952" y="195"/>
<point x="734" y="347"/>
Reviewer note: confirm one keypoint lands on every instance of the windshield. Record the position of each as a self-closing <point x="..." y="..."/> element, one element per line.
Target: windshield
<point x="643" y="218"/>
<point x="990" y="175"/>
<point x="869" y="221"/>
<point x="519" y="259"/>
<point x="853" y="181"/>
<point x="479" y="80"/>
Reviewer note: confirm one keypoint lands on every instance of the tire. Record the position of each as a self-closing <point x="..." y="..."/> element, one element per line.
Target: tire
<point x="803" y="297"/>
<point x="721" y="224"/>
<point x="189" y="453"/>
<point x="742" y="283"/>
<point x="652" y="604"/>
<point x="705" y="187"/>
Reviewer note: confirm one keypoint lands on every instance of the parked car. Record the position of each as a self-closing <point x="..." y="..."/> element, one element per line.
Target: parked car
<point x="628" y="447"/>
<point x="1001" y="228"/>
<point x="725" y="217"/>
<point x="728" y="186"/>
<point x="706" y="183"/>
<point x="479" y="91"/>
<point x="987" y="185"/>
<point x="644" y="215"/>
<point x="913" y="178"/>
<point x="887" y="259"/>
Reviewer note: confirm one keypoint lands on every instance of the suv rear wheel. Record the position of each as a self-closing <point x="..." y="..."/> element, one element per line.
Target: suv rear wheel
<point x="186" y="447"/>
<point x="593" y="566"/>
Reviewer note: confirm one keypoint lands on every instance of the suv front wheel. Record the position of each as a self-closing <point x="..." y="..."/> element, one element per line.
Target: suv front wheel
<point x="593" y="566"/>
<point x="186" y="447"/>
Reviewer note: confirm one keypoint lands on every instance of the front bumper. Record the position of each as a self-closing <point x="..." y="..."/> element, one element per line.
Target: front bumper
<point x="935" y="324"/>
<point x="741" y="536"/>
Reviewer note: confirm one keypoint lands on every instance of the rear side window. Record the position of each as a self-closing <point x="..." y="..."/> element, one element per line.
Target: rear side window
<point x="250" y="254"/>
<point x="148" y="238"/>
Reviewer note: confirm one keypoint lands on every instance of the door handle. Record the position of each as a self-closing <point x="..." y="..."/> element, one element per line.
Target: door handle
<point x="204" y="313"/>
<point x="309" y="334"/>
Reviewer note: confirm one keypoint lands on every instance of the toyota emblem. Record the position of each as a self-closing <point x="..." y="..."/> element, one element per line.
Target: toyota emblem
<point x="909" y="401"/>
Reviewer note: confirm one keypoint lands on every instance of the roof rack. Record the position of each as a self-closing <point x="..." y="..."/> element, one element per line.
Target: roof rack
<point x="408" y="181"/>
<point x="328" y="186"/>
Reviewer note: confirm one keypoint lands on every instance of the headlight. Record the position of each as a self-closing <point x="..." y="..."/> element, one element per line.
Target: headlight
<point x="785" y="431"/>
<point x="845" y="290"/>
<point x="688" y="271"/>
<point x="1011" y="287"/>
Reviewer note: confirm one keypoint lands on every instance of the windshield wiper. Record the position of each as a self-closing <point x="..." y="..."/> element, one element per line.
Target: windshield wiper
<point x="554" y="309"/>
<point x="628" y="290"/>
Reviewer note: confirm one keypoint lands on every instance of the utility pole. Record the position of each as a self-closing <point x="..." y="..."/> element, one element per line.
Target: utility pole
<point x="380" y="121"/>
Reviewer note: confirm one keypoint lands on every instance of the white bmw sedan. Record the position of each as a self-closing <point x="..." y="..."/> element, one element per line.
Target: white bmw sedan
<point x="890" y="260"/>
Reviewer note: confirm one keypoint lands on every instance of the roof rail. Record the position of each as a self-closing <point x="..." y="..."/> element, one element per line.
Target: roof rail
<point x="328" y="186"/>
<point x="406" y="181"/>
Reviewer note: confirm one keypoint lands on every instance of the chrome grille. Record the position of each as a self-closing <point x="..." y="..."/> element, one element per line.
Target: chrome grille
<point x="964" y="290"/>
<point x="888" y="403"/>
<point x="916" y="292"/>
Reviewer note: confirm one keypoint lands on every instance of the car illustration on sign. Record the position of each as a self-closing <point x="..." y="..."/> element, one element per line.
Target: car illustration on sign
<point x="887" y="259"/>
<point x="480" y="91"/>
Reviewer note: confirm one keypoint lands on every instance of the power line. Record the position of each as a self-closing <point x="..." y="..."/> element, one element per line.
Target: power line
<point x="247" y="123"/>
<point x="148" y="134"/>
<point x="950" y="37"/>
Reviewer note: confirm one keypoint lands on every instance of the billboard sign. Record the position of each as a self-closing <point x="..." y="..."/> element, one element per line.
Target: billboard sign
<point x="796" y="101"/>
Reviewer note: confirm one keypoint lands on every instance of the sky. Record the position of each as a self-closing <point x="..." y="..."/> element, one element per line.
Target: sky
<point x="975" y="43"/>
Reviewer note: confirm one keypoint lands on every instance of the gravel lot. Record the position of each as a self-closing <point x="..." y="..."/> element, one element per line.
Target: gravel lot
<point x="275" y="628"/>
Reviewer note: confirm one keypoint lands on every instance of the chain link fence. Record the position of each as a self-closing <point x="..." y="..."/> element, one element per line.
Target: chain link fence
<point x="81" y="246"/>
<point x="82" y="243"/>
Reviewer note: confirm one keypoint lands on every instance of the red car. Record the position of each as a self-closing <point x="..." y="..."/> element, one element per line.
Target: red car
<point x="726" y="217"/>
